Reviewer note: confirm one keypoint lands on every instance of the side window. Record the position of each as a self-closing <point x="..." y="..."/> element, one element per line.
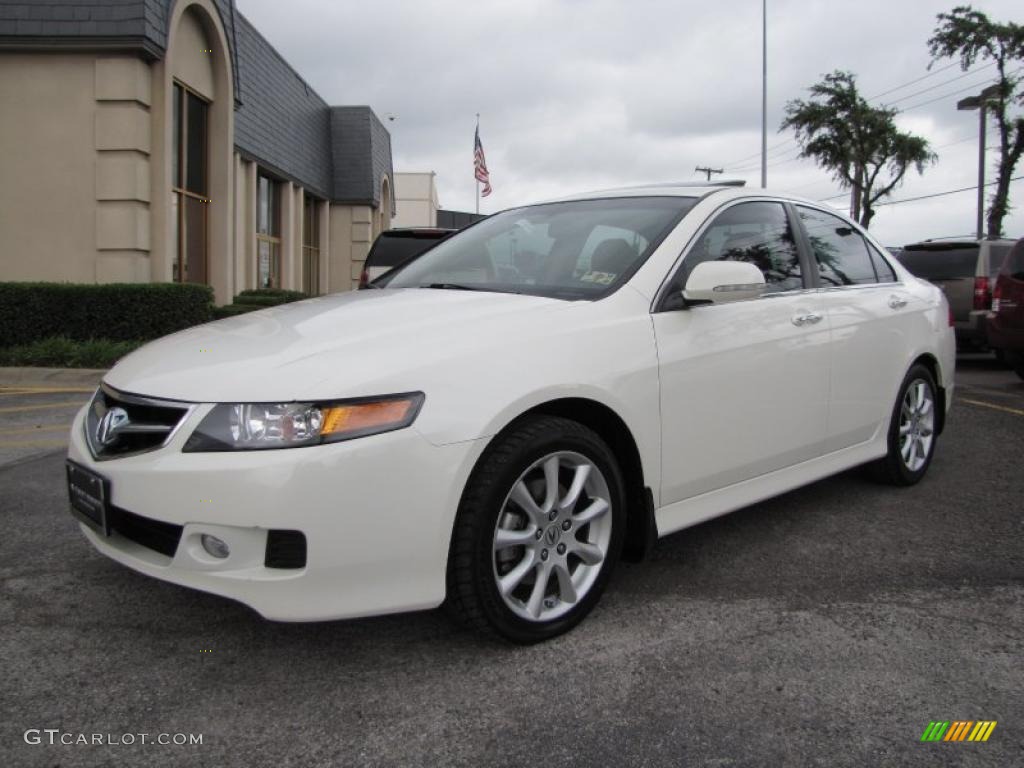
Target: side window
<point x="758" y="233"/>
<point x="886" y="274"/>
<point x="842" y="254"/>
<point x="1015" y="264"/>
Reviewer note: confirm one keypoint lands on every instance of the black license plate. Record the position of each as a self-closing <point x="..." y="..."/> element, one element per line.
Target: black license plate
<point x="89" y="494"/>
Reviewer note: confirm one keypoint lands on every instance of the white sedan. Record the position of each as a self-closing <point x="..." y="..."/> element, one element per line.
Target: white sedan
<point x="546" y="391"/>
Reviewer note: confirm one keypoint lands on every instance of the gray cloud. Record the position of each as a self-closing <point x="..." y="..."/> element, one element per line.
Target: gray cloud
<point x="586" y="94"/>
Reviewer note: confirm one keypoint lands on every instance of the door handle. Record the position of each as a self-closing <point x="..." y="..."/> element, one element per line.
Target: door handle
<point x="897" y="302"/>
<point x="808" y="318"/>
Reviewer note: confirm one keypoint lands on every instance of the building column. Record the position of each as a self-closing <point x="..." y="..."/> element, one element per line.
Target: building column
<point x="324" y="217"/>
<point x="362" y="239"/>
<point x="287" y="192"/>
<point x="122" y="142"/>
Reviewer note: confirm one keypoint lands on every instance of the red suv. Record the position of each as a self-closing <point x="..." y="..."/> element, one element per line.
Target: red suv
<point x="1005" y="325"/>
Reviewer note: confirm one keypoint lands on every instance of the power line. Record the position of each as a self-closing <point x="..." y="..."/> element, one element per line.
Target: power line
<point x="972" y="87"/>
<point x="942" y="194"/>
<point x="921" y="197"/>
<point x="758" y="153"/>
<point x="918" y="80"/>
<point x="742" y="165"/>
<point x="939" y="85"/>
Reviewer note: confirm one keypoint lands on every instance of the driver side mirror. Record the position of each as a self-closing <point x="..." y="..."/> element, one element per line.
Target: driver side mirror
<point x="719" y="282"/>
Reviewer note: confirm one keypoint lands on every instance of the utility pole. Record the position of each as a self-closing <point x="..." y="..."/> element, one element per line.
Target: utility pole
<point x="764" y="93"/>
<point x="980" y="102"/>
<point x="708" y="171"/>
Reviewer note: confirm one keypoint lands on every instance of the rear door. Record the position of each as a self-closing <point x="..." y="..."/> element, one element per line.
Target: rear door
<point x="1008" y="310"/>
<point x="872" y="318"/>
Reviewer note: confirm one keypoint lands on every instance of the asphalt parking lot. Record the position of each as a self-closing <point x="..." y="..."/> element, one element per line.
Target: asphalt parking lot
<point x="825" y="627"/>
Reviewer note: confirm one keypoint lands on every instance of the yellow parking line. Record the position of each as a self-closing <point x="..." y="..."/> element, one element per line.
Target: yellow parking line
<point x="43" y="390"/>
<point x="33" y="443"/>
<point x="33" y="430"/>
<point x="20" y="408"/>
<point x="993" y="406"/>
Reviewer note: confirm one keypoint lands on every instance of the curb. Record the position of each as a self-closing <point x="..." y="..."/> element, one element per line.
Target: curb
<point x="50" y="377"/>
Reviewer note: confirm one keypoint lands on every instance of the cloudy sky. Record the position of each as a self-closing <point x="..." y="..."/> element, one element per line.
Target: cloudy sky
<point x="576" y="95"/>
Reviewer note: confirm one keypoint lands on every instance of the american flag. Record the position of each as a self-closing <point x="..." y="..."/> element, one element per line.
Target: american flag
<point x="480" y="165"/>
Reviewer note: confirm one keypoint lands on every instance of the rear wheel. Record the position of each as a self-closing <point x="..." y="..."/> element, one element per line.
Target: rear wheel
<point x="539" y="530"/>
<point x="912" y="435"/>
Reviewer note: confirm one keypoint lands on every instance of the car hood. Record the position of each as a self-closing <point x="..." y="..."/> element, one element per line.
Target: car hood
<point x="343" y="345"/>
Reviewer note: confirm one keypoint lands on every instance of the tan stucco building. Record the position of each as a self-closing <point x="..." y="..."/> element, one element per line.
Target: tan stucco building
<point x="160" y="140"/>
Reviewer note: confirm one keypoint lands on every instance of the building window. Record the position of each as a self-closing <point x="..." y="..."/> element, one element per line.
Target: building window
<point x="311" y="246"/>
<point x="189" y="201"/>
<point x="268" y="233"/>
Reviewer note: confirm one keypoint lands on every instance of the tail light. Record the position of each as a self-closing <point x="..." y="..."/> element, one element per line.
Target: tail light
<point x="997" y="296"/>
<point x="982" y="293"/>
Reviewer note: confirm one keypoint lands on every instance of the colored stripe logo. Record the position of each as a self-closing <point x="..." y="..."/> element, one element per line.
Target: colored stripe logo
<point x="958" y="730"/>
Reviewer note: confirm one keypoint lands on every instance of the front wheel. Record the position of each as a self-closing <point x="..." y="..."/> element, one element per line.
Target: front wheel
<point x="538" y="532"/>
<point x="912" y="435"/>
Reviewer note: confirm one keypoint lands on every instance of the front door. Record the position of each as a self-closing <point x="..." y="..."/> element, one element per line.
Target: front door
<point x="744" y="385"/>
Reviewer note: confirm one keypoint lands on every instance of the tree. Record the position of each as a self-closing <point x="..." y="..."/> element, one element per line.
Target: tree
<point x="971" y="35"/>
<point x="855" y="141"/>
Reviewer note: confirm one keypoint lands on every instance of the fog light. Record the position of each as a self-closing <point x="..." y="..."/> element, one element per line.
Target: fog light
<point x="215" y="547"/>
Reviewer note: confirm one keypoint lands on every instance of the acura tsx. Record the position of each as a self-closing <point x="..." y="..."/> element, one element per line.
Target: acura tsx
<point x="498" y="421"/>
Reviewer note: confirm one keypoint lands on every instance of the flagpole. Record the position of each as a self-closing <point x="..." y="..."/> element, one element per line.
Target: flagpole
<point x="478" y="180"/>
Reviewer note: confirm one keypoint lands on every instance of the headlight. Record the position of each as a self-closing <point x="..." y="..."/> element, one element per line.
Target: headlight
<point x="258" y="426"/>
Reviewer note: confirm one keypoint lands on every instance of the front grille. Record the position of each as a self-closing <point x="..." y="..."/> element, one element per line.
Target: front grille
<point x="156" y="535"/>
<point x="119" y="424"/>
<point x="285" y="549"/>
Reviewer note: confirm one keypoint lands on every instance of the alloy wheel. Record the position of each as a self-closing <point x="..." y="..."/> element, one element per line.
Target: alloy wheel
<point x="552" y="536"/>
<point x="917" y="425"/>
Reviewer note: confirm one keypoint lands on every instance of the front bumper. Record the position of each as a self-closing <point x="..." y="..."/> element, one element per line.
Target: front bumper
<point x="376" y="512"/>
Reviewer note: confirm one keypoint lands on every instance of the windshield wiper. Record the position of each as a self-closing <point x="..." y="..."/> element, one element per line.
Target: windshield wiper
<point x="453" y="286"/>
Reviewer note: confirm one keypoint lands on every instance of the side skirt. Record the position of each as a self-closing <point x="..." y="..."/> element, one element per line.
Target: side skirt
<point x="689" y="512"/>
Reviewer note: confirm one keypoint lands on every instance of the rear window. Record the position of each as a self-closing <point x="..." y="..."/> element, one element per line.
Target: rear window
<point x="390" y="250"/>
<point x="1014" y="265"/>
<point x="940" y="264"/>
<point x="996" y="257"/>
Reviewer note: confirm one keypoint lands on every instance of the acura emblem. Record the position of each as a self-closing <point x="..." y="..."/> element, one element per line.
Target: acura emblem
<point x="112" y="422"/>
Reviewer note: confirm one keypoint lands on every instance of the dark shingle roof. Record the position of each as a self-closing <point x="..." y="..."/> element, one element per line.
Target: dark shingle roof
<point x="280" y="121"/>
<point x="340" y="153"/>
<point x="85" y="23"/>
<point x="361" y="153"/>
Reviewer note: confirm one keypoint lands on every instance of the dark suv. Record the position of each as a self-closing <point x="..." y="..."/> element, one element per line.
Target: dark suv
<point x="395" y="246"/>
<point x="965" y="270"/>
<point x="1006" y="323"/>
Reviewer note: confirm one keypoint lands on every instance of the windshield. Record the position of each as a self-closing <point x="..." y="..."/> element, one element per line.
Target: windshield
<point x="576" y="250"/>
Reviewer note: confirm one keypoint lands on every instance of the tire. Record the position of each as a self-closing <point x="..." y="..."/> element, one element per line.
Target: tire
<point x="1016" y="361"/>
<point x="912" y="436"/>
<point x="538" y="532"/>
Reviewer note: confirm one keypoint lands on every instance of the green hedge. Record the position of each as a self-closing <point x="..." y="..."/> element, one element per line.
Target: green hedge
<point x="269" y="297"/>
<point x="114" y="311"/>
<point x="253" y="299"/>
<point x="230" y="310"/>
<point x="62" y="352"/>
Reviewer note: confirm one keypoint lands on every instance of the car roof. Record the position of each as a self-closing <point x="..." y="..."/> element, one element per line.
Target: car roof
<point x="725" y="190"/>
<point x="412" y="231"/>
<point x="951" y="243"/>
